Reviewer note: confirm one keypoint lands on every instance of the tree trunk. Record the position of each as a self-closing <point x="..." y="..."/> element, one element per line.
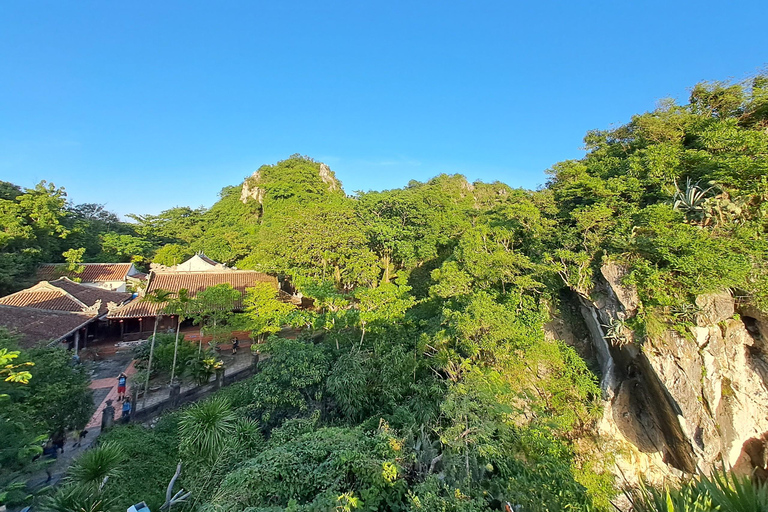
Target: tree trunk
<point x="149" y="365"/>
<point x="386" y="268"/>
<point x="176" y="348"/>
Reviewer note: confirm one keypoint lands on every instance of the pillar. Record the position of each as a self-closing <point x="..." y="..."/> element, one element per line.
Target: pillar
<point x="175" y="393"/>
<point x="219" y="378"/>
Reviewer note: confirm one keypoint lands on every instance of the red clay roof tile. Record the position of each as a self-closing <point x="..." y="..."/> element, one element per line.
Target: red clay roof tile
<point x="92" y="273"/>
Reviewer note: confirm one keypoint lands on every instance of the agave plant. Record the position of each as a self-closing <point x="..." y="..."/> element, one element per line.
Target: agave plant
<point x="74" y="497"/>
<point x="739" y="494"/>
<point x="720" y="491"/>
<point x="97" y="464"/>
<point x="691" y="200"/>
<point x="615" y="333"/>
<point x="207" y="427"/>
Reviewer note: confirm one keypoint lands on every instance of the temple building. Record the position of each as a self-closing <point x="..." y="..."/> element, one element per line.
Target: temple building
<point x="59" y="311"/>
<point x="136" y="319"/>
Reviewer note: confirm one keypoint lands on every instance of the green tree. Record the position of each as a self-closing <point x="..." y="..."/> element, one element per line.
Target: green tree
<point x="181" y="306"/>
<point x="172" y="254"/>
<point x="213" y="309"/>
<point x="121" y="247"/>
<point x="385" y="304"/>
<point x="265" y="310"/>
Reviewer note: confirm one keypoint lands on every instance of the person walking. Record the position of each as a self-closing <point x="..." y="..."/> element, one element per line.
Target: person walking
<point x="235" y="345"/>
<point x="50" y="453"/>
<point x="127" y="410"/>
<point x="122" y="380"/>
<point x="77" y="437"/>
<point x="59" y="439"/>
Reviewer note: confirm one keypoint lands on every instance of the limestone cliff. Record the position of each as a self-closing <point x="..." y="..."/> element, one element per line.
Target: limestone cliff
<point x="684" y="400"/>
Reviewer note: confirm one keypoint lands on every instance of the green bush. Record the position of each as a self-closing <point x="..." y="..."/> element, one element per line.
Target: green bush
<point x="314" y="467"/>
<point x="151" y="455"/>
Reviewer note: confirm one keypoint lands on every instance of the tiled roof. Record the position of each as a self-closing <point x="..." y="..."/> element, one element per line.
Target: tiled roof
<point x="64" y="295"/>
<point x="34" y="325"/>
<point x="92" y="273"/>
<point x="43" y="299"/>
<point x="193" y="282"/>
<point x="89" y="295"/>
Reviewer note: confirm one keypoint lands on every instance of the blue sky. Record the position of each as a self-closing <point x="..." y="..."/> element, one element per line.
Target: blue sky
<point x="148" y="105"/>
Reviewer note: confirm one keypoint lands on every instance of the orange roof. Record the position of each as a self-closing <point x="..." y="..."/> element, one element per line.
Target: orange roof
<point x="92" y="273"/>
<point x="34" y="325"/>
<point x="89" y="295"/>
<point x="193" y="282"/>
<point x="64" y="295"/>
<point x="44" y="299"/>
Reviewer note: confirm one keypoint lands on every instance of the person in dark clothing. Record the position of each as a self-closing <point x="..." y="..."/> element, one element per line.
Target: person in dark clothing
<point x="50" y="452"/>
<point x="78" y="440"/>
<point x="235" y="345"/>
<point x="58" y="439"/>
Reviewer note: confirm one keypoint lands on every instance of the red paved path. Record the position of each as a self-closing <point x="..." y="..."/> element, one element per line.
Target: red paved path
<point x="109" y="382"/>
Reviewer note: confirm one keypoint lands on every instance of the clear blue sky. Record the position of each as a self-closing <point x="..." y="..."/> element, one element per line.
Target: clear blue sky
<point x="147" y="105"/>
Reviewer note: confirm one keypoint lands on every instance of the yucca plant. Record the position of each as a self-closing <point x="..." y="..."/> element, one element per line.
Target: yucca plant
<point x="734" y="493"/>
<point x="97" y="464"/>
<point x="74" y="497"/>
<point x="207" y="427"/>
<point x="722" y="491"/>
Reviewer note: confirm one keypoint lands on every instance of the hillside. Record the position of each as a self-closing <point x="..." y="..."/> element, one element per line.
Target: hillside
<point x="474" y="344"/>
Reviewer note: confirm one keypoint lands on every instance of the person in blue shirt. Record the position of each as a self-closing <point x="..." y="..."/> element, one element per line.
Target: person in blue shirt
<point x="127" y="410"/>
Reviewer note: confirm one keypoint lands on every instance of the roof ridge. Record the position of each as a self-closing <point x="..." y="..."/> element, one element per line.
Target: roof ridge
<point x="56" y="311"/>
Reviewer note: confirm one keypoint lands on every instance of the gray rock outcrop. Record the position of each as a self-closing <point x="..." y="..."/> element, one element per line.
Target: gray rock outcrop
<point x="684" y="401"/>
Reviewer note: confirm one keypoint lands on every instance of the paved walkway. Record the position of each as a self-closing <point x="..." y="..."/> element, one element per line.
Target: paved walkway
<point x="109" y="382"/>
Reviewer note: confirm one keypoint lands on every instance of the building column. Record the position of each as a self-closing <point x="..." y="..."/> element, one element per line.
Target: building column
<point x="77" y="341"/>
<point x="122" y="329"/>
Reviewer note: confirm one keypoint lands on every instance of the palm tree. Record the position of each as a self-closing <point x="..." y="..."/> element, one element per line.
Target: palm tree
<point x="179" y="306"/>
<point x="158" y="296"/>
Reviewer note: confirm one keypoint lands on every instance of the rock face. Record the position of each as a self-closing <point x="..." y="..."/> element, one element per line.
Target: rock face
<point x="251" y="190"/>
<point x="688" y="399"/>
<point x="328" y="178"/>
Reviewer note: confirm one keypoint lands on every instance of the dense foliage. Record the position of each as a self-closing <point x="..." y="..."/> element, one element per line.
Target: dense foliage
<point x="56" y="397"/>
<point x="423" y="379"/>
